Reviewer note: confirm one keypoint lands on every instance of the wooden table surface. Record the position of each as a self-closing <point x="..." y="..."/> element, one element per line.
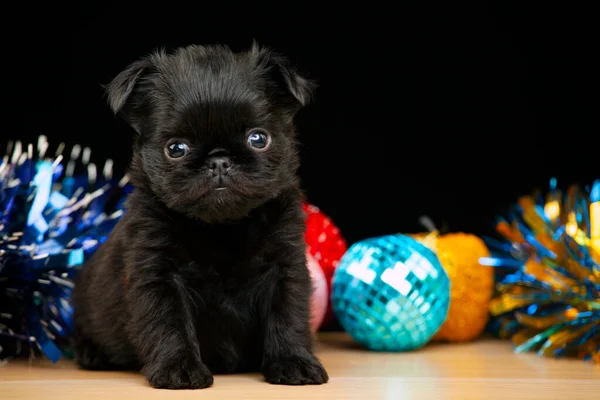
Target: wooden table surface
<point x="486" y="370"/>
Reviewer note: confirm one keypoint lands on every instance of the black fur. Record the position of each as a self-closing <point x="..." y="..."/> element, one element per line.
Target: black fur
<point x="194" y="280"/>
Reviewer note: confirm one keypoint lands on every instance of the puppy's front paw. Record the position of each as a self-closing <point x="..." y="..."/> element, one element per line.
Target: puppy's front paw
<point x="296" y="371"/>
<point x="183" y="375"/>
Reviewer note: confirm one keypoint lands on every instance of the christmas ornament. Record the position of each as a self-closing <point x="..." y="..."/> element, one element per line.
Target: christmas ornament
<point x="53" y="218"/>
<point x="551" y="302"/>
<point x="325" y="244"/>
<point x="391" y="293"/>
<point x="472" y="284"/>
<point x="320" y="296"/>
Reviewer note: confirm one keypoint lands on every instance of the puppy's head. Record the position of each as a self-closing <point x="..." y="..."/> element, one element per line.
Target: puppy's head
<point x="215" y="134"/>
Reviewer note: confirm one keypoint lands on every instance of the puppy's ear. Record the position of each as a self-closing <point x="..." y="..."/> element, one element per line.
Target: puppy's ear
<point x="127" y="93"/>
<point x="294" y="89"/>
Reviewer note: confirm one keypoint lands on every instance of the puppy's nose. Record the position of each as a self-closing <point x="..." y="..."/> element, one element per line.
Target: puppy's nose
<point x="220" y="165"/>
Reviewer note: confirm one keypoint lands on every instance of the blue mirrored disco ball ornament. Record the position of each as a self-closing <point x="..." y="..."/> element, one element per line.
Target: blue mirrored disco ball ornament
<point x="390" y="293"/>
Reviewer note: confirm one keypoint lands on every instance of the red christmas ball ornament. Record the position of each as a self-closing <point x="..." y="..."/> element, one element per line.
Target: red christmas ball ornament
<point x="327" y="246"/>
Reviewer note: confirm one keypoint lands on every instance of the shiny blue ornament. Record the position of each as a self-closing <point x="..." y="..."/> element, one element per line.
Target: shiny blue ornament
<point x="54" y="214"/>
<point x="390" y="293"/>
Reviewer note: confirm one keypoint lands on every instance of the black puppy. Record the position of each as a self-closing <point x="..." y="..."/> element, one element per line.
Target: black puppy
<point x="206" y="271"/>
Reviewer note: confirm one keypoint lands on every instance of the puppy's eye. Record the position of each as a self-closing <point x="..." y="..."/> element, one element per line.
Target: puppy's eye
<point x="177" y="150"/>
<point x="258" y="140"/>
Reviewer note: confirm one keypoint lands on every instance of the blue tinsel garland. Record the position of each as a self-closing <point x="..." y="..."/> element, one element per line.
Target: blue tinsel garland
<point x="54" y="213"/>
<point x="550" y="302"/>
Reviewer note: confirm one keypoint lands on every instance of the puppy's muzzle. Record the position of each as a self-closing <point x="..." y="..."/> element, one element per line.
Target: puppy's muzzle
<point x="220" y="166"/>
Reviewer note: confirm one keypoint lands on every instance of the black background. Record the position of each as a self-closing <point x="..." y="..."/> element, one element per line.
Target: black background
<point x="446" y="110"/>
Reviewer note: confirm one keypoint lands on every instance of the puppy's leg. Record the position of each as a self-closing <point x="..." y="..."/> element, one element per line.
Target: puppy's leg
<point x="89" y="356"/>
<point x="288" y="358"/>
<point x="163" y="333"/>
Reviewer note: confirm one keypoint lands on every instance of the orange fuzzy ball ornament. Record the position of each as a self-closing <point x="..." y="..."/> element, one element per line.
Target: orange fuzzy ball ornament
<point x="471" y="287"/>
